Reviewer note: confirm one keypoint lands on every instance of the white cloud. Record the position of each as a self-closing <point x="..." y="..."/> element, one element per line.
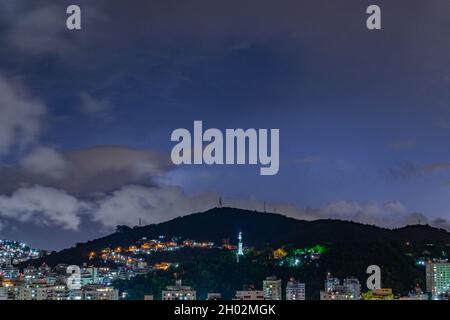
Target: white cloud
<point x="158" y="204"/>
<point x="39" y="30"/>
<point x="86" y="171"/>
<point x="382" y="214"/>
<point x="20" y="116"/>
<point x="391" y="214"/>
<point x="96" y="108"/>
<point x="152" y="205"/>
<point x="45" y="161"/>
<point x="49" y="206"/>
<point x="42" y="205"/>
<point x="395" y="207"/>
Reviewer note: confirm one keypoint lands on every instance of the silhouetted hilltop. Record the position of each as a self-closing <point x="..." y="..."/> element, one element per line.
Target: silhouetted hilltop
<point x="259" y="229"/>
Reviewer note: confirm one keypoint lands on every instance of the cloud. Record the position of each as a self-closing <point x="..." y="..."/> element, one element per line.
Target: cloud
<point x="86" y="172"/>
<point x="20" y="116"/>
<point x="46" y="162"/>
<point x="123" y="183"/>
<point x="395" y="207"/>
<point x="39" y="30"/>
<point x="95" y="108"/>
<point x="441" y="223"/>
<point x="131" y="203"/>
<point x="152" y="205"/>
<point x="162" y="203"/>
<point x="391" y="214"/>
<point x="42" y="205"/>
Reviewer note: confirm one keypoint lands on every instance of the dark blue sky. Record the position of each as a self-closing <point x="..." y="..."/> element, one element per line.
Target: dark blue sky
<point x="364" y="116"/>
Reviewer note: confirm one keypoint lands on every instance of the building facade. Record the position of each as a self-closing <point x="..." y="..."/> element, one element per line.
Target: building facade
<point x="249" y="295"/>
<point x="99" y="292"/>
<point x="350" y="289"/>
<point x="295" y="290"/>
<point x="179" y="292"/>
<point x="272" y="288"/>
<point x="438" y="278"/>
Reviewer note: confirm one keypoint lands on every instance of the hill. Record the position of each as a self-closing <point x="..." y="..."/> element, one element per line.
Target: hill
<point x="259" y="229"/>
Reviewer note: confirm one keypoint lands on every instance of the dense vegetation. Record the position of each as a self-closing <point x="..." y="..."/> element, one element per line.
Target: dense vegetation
<point x="259" y="229"/>
<point x="346" y="249"/>
<point x="221" y="272"/>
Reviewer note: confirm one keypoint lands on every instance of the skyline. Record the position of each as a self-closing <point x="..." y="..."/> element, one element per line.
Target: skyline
<point x="86" y="116"/>
<point x="139" y="267"/>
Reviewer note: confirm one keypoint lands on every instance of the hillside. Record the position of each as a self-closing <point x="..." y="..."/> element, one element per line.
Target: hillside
<point x="259" y="229"/>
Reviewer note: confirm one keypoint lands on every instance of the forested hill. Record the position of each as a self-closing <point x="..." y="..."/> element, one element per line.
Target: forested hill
<point x="259" y="229"/>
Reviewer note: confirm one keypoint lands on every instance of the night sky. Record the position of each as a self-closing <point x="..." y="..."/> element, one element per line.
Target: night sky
<point x="86" y="116"/>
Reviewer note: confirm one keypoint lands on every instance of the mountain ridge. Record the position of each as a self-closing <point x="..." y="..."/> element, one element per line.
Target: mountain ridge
<point x="259" y="229"/>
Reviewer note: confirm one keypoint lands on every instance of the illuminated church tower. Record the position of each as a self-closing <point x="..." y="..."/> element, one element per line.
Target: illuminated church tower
<point x="240" y="251"/>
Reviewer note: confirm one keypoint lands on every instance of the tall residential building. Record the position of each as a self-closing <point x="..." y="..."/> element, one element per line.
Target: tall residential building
<point x="331" y="283"/>
<point x="438" y="278"/>
<point x="295" y="290"/>
<point x="179" y="292"/>
<point x="272" y="288"/>
<point x="350" y="289"/>
<point x="89" y="276"/>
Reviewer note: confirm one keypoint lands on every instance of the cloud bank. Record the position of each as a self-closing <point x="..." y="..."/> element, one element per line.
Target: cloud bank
<point x="132" y="203"/>
<point x="21" y="116"/>
<point x="42" y="205"/>
<point x="85" y="172"/>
